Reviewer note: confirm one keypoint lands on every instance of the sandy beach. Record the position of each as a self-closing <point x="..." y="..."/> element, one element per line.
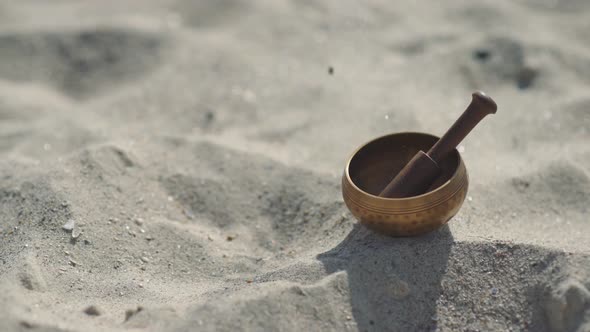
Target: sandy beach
<point x="176" y="165"/>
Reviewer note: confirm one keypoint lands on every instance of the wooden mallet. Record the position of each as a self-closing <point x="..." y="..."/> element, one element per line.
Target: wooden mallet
<point x="422" y="170"/>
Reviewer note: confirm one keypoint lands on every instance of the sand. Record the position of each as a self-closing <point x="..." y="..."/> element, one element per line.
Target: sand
<point x="175" y="165"/>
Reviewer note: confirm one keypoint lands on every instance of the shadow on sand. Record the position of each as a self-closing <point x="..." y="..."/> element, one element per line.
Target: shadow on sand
<point x="394" y="282"/>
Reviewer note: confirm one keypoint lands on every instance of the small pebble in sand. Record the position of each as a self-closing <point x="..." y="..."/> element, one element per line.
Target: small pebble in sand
<point x="188" y="214"/>
<point x="92" y="311"/>
<point x="481" y="54"/>
<point x="69" y="226"/>
<point x="494" y="291"/>
<point x="231" y="237"/>
<point x="399" y="289"/>
<point x="139" y="221"/>
<point x="145" y="259"/>
<point x="76" y="233"/>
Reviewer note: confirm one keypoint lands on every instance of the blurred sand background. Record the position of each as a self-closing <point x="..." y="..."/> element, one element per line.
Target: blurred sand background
<point x="198" y="148"/>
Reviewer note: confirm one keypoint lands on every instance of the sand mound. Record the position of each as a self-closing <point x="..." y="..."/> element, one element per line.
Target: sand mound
<point x="259" y="251"/>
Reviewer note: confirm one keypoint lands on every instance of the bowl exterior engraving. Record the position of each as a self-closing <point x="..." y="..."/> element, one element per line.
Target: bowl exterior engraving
<point x="375" y="163"/>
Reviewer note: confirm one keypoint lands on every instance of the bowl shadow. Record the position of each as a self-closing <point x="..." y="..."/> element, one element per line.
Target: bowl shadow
<point x="394" y="283"/>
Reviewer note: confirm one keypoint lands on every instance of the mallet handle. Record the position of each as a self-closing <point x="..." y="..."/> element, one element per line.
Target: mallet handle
<point x="416" y="177"/>
<point x="480" y="106"/>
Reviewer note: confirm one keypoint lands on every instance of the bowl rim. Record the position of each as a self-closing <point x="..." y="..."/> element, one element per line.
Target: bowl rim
<point x="441" y="187"/>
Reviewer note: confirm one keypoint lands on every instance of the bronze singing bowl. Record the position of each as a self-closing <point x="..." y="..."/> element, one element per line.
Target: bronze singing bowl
<point x="375" y="164"/>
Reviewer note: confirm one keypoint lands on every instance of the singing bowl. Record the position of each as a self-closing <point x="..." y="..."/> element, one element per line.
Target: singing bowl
<point x="375" y="164"/>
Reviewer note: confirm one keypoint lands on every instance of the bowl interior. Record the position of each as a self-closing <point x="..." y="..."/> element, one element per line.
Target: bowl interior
<point x="375" y="164"/>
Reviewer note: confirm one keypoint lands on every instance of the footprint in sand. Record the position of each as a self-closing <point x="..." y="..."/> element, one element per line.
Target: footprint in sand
<point x="500" y="60"/>
<point x="567" y="306"/>
<point x="560" y="184"/>
<point x="225" y="200"/>
<point x="79" y="63"/>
